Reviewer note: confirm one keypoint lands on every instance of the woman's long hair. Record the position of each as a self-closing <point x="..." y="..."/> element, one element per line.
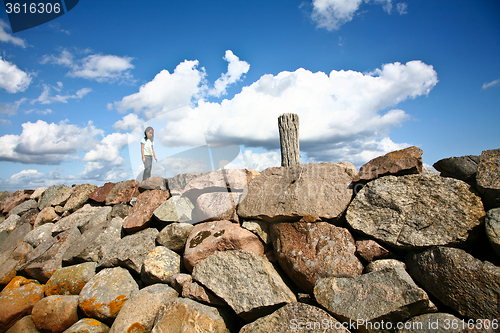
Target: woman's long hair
<point x="147" y="130"/>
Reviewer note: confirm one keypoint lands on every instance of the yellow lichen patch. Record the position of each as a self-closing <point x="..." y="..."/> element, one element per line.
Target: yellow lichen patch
<point x="87" y="306"/>
<point x="136" y="328"/>
<point x="116" y="305"/>
<point x="92" y="322"/>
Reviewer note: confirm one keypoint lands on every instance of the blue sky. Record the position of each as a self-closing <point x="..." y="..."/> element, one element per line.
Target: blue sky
<point x="365" y="77"/>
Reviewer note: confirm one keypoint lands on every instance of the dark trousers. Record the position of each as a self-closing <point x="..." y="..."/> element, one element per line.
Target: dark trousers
<point x="148" y="164"/>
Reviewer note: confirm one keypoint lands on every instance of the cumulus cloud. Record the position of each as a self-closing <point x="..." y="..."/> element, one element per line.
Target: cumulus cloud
<point x="8" y="38"/>
<point x="12" y="78"/>
<point x="44" y="143"/>
<point x="332" y="14"/>
<point x="98" y="67"/>
<point x="491" y="84"/>
<point x="235" y="69"/>
<point x="166" y="92"/>
<point x="129" y="122"/>
<point x="46" y="98"/>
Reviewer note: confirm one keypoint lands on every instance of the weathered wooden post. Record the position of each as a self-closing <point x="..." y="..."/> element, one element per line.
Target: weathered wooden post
<point x="288" y="124"/>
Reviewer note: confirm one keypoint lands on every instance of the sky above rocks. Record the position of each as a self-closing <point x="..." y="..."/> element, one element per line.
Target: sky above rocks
<point x="366" y="77"/>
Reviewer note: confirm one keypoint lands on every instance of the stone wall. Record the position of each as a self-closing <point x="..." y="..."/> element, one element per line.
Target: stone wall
<point x="312" y="248"/>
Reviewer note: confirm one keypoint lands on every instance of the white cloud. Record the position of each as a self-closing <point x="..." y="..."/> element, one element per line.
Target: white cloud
<point x="12" y="78"/>
<point x="98" y="67"/>
<point x="491" y="84"/>
<point x="46" y="98"/>
<point x="166" y="92"/>
<point x="129" y="122"/>
<point x="103" y="68"/>
<point x="45" y="143"/>
<point x="8" y="38"/>
<point x="255" y="161"/>
<point x="109" y="149"/>
<point x="235" y="69"/>
<point x="332" y="14"/>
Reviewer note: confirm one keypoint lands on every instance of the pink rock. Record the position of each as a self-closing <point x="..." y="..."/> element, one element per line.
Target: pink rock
<point x="370" y="250"/>
<point x="143" y="210"/>
<point x="18" y="198"/>
<point x="211" y="237"/>
<point x="310" y="251"/>
<point x="217" y="206"/>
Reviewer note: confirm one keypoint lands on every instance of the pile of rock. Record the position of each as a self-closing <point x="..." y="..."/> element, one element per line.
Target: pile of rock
<point x="314" y="247"/>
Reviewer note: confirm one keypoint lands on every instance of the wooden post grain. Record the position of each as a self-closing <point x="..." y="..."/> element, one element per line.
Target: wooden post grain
<point x="288" y="124"/>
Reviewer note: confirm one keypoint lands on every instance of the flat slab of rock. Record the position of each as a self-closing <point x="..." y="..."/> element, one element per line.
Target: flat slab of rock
<point x="139" y="312"/>
<point x="185" y="315"/>
<point x="488" y="178"/>
<point x="295" y="317"/>
<point x="413" y="211"/>
<point x="130" y="251"/>
<point x="308" y="191"/>
<point x="459" y="280"/>
<point x="140" y="215"/>
<point x="55" y="313"/>
<point x="211" y="237"/>
<point x="463" y="167"/>
<point x="24" y="207"/>
<point x="176" y="209"/>
<point x="70" y="280"/>
<point x="493" y="228"/>
<point x="79" y="197"/>
<point x="386" y="295"/>
<point x="122" y="192"/>
<point x="106" y="293"/>
<point x="217" y="206"/>
<point x="310" y="251"/>
<point x="17" y="300"/>
<point x="39" y="235"/>
<point x="248" y="283"/>
<point x="400" y="162"/>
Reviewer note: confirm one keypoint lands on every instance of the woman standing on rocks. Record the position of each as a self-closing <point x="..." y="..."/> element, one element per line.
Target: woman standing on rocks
<point x="148" y="152"/>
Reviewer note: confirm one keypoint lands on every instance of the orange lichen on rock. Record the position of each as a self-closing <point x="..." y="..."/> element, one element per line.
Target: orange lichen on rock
<point x="136" y="328"/>
<point x="116" y="305"/>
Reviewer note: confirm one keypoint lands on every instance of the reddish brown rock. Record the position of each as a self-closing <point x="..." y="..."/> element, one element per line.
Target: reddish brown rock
<point x="24" y="325"/>
<point x="122" y="192"/>
<point x="11" y="202"/>
<point x="79" y="197"/>
<point x="400" y="162"/>
<point x="55" y="314"/>
<point x="370" y="250"/>
<point x="100" y="194"/>
<point x="310" y="192"/>
<point x="17" y="300"/>
<point x="217" y="206"/>
<point x="310" y="251"/>
<point x="143" y="210"/>
<point x="211" y="237"/>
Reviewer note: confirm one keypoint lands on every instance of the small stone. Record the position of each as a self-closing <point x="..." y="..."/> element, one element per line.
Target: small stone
<point x="55" y="314"/>
<point x="47" y="215"/>
<point x="260" y="228"/>
<point x="174" y="236"/>
<point x="379" y="265"/>
<point x="370" y="250"/>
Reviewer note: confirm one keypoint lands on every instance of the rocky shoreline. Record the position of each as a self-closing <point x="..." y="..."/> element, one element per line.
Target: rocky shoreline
<point x="310" y="248"/>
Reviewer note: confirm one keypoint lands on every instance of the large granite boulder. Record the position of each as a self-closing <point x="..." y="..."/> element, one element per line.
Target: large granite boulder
<point x="463" y="167"/>
<point x="211" y="237"/>
<point x="416" y="211"/>
<point x="130" y="251"/>
<point x="488" y="178"/>
<point x="401" y="162"/>
<point x="388" y="296"/>
<point x="248" y="283"/>
<point x="310" y="251"/>
<point x="309" y="192"/>
<point x="460" y="281"/>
